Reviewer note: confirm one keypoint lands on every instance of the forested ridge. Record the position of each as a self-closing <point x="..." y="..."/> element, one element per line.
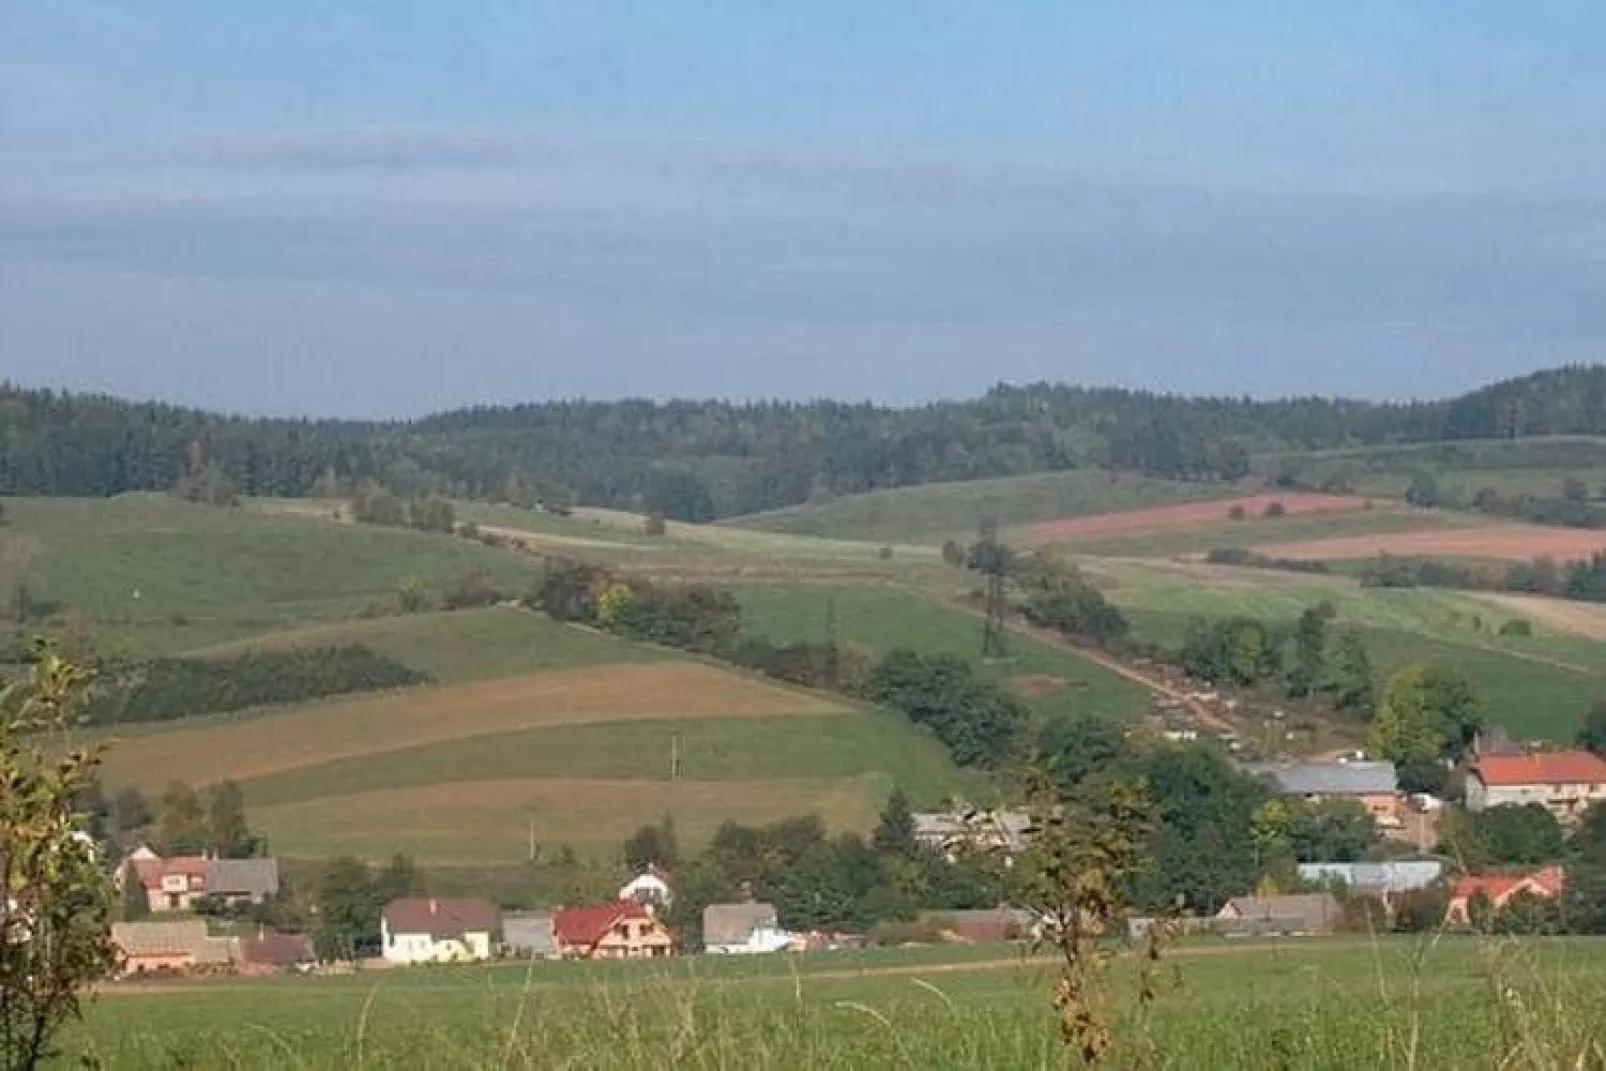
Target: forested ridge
<point x="700" y="460"/>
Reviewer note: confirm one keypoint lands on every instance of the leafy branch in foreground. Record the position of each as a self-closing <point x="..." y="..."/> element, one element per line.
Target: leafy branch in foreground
<point x="1087" y="849"/>
<point x="54" y="933"/>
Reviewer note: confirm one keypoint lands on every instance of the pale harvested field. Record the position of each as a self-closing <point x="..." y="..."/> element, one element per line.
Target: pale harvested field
<point x="1185" y="516"/>
<point x="490" y="821"/>
<point x="1577" y="618"/>
<point x="256" y="746"/>
<point x="1509" y="542"/>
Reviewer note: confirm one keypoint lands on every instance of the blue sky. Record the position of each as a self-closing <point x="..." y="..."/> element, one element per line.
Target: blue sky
<point x="389" y="208"/>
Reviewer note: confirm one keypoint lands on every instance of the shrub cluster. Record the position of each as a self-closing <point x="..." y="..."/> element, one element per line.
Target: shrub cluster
<point x="165" y="688"/>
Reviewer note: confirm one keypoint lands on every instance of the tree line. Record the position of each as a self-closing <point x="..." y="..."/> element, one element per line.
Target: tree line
<point x="160" y="689"/>
<point x="1582" y="579"/>
<point x="695" y="461"/>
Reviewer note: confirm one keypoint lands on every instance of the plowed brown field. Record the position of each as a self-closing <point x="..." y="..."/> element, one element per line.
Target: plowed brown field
<point x="250" y="747"/>
<point x="1185" y="516"/>
<point x="1510" y="542"/>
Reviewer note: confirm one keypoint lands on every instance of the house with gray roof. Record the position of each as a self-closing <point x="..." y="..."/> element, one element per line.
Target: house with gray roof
<point x="985" y="831"/>
<point x="1374" y="785"/>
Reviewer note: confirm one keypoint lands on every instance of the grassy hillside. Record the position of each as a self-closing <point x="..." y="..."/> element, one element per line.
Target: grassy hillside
<point x="151" y="574"/>
<point x="1533" y="466"/>
<point x="462" y="646"/>
<point x="584" y="752"/>
<point x="1261" y="531"/>
<point x="933" y="512"/>
<point x="881" y="618"/>
<point x="1535" y="686"/>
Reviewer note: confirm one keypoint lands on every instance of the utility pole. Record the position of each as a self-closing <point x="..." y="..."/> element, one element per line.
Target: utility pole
<point x="532" y="836"/>
<point x="674" y="757"/>
<point x="989" y="557"/>
<point x="833" y="663"/>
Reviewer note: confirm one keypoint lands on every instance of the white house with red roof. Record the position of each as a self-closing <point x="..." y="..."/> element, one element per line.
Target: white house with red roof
<point x="1566" y="783"/>
<point x="1501" y="889"/>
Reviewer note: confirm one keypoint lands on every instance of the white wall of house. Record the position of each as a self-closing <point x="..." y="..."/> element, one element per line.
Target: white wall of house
<point x="762" y="941"/>
<point x="425" y="948"/>
<point x="1563" y="800"/>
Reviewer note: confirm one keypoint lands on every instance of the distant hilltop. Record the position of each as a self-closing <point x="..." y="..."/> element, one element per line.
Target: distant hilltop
<point x="706" y="460"/>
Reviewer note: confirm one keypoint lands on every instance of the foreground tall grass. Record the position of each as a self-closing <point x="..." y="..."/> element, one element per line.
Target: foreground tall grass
<point x="1452" y="1004"/>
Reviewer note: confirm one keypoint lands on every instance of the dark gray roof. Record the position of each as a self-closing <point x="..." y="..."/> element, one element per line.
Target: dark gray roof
<point x="530" y="931"/>
<point x="1329" y="778"/>
<point x="731" y="924"/>
<point x="242" y="877"/>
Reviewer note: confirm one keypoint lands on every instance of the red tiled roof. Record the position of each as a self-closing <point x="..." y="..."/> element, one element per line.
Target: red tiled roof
<point x="151" y="871"/>
<point x="1555" y="768"/>
<point x="1546" y="882"/>
<point x="586" y="926"/>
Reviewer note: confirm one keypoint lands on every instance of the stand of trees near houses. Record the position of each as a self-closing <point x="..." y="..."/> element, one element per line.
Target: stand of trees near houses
<point x="697" y="461"/>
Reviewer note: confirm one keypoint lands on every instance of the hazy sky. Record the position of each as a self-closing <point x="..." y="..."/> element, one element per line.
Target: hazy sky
<point x="392" y="206"/>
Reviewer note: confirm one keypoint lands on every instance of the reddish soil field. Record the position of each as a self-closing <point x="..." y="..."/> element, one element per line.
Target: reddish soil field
<point x="1509" y="542"/>
<point x="1185" y="516"/>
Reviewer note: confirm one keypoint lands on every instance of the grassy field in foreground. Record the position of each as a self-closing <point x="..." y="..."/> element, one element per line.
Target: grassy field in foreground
<point x="882" y="618"/>
<point x="933" y="512"/>
<point x="1456" y="1004"/>
<point x="151" y="574"/>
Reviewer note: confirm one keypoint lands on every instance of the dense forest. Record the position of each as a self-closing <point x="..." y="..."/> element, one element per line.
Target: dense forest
<point x="698" y="461"/>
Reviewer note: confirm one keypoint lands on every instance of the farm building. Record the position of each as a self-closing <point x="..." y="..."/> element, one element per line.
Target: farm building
<point x="1565" y="783"/>
<point x="750" y="927"/>
<point x="267" y="952"/>
<point x="1297" y="915"/>
<point x="530" y="934"/>
<point x="439" y="931"/>
<point x="1374" y="785"/>
<point x="177" y="945"/>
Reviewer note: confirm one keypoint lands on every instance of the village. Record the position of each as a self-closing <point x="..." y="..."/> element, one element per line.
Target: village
<point x="634" y="925"/>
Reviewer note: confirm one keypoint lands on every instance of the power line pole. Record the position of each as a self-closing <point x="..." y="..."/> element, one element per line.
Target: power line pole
<point x="989" y="557"/>
<point x="674" y="757"/>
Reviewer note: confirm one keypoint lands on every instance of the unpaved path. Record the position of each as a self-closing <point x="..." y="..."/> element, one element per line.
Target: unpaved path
<point x="1201" y="713"/>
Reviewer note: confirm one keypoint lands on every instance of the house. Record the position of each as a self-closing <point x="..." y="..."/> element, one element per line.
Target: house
<point x="1566" y="783"/>
<point x="530" y="934"/>
<point x="178" y="883"/>
<point x="623" y="930"/>
<point x="986" y="831"/>
<point x="145" y="947"/>
<point x="651" y="886"/>
<point x="749" y="927"/>
<point x="269" y="952"/>
<point x="429" y="930"/>
<point x="1385" y="879"/>
<point x="1297" y="915"/>
<point x="1374" y="785"/>
<point x="1501" y="889"/>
